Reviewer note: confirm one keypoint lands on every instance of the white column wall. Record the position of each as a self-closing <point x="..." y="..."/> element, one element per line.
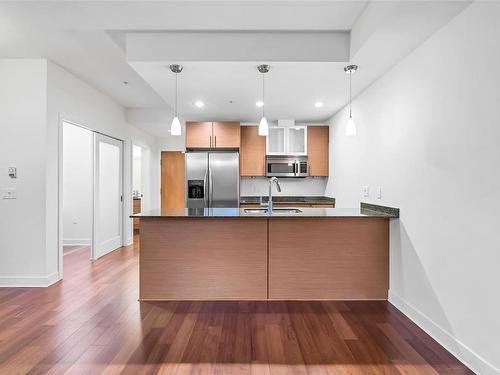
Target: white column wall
<point x="23" y="98"/>
<point x="428" y="134"/>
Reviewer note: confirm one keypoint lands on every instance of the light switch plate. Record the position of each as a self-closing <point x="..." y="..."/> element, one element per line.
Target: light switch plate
<point x="366" y="191"/>
<point x="12" y="172"/>
<point x="9" y="193"/>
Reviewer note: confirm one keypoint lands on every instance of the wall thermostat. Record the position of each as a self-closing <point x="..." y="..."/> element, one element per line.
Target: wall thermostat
<point x="12" y="172"/>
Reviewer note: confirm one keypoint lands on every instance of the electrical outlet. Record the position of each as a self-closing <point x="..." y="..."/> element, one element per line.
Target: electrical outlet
<point x="379" y="193"/>
<point x="366" y="191"/>
<point x="9" y="193"/>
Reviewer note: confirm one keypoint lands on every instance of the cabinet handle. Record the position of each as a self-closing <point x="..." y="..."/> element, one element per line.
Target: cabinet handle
<point x="215" y="137"/>
<point x="210" y="141"/>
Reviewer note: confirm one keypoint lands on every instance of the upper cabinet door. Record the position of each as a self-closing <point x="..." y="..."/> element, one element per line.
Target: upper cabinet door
<point x="297" y="140"/>
<point x="199" y="134"/>
<point x="287" y="141"/>
<point x="318" y="150"/>
<point x="275" y="141"/>
<point x="226" y="134"/>
<point x="252" y="152"/>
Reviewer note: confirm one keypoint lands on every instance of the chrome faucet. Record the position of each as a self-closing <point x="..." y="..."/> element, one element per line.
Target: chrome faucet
<point x="270" y="199"/>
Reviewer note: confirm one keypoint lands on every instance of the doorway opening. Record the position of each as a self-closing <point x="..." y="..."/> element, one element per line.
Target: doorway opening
<point x="77" y="212"/>
<point x="137" y="188"/>
<point x="91" y="200"/>
<point x="141" y="193"/>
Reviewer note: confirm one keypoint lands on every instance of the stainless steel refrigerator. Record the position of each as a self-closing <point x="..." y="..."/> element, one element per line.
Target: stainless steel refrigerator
<point x="212" y="179"/>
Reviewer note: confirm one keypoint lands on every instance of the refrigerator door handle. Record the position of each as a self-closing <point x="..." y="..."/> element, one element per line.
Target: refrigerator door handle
<point x="211" y="187"/>
<point x="205" y="182"/>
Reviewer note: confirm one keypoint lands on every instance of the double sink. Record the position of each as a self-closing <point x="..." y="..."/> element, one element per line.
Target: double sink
<point x="265" y="211"/>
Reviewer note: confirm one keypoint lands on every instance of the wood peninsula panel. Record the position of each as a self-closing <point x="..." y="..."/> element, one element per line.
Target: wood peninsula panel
<point x="172" y="180"/>
<point x="198" y="134"/>
<point x="318" y="150"/>
<point x="226" y="134"/>
<point x="252" y="152"/>
<point x="203" y="259"/>
<point x="328" y="258"/>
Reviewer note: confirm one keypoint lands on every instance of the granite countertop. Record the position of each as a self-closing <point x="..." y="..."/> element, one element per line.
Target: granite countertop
<point x="255" y="199"/>
<point x="240" y="213"/>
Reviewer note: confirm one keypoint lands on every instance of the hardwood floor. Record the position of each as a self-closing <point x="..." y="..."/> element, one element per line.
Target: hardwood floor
<point x="92" y="323"/>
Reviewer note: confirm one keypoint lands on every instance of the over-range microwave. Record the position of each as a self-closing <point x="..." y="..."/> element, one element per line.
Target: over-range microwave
<point x="287" y="166"/>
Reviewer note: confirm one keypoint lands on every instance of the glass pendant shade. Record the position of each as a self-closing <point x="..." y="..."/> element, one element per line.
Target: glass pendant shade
<point x="263" y="127"/>
<point x="350" y="128"/>
<point x="175" y="128"/>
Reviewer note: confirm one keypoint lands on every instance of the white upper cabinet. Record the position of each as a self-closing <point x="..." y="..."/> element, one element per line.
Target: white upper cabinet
<point x="287" y="141"/>
<point x="275" y="141"/>
<point x="297" y="140"/>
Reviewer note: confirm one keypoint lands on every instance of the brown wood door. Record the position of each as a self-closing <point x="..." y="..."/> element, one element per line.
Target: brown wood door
<point x="172" y="180"/>
<point x="318" y="150"/>
<point x="226" y="134"/>
<point x="198" y="134"/>
<point x="252" y="152"/>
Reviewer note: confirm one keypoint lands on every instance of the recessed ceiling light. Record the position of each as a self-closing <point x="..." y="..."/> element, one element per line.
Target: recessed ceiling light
<point x="260" y="103"/>
<point x="199" y="104"/>
<point x="318" y="104"/>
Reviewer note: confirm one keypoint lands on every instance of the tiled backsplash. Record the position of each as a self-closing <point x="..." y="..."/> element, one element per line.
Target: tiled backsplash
<point x="289" y="186"/>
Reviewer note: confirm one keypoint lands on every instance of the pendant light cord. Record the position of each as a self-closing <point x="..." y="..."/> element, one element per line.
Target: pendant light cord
<point x="350" y="94"/>
<point x="176" y="94"/>
<point x="263" y="91"/>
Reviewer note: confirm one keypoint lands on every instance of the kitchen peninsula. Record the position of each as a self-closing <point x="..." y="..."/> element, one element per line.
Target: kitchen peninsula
<point x="243" y="254"/>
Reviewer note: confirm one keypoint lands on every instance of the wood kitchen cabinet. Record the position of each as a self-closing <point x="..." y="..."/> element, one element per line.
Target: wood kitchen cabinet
<point x="136" y="209"/>
<point x="213" y="134"/>
<point x="318" y="150"/>
<point x="252" y="152"/>
<point x="198" y="134"/>
<point x="226" y="134"/>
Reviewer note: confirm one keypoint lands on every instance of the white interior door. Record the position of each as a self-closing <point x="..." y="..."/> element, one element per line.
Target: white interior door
<point x="108" y="198"/>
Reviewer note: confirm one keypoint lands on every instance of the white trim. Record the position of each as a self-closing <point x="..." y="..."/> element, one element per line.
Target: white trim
<point x="77" y="242"/>
<point x="462" y="352"/>
<point x="28" y="282"/>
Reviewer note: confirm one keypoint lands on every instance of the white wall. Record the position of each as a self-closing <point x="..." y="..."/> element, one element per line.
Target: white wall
<point x="23" y="111"/>
<point x="77" y="185"/>
<point x="428" y="134"/>
<point x="136" y="168"/>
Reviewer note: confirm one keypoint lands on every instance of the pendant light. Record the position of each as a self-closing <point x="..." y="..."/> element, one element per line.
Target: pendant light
<point x="263" y="126"/>
<point x="350" y="128"/>
<point x="175" y="128"/>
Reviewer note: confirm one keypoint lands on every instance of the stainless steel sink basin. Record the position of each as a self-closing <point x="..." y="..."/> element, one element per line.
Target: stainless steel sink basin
<point x="286" y="211"/>
<point x="256" y="210"/>
<point x="277" y="211"/>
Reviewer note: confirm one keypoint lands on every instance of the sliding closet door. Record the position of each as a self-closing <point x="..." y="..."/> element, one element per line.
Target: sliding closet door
<point x="108" y="197"/>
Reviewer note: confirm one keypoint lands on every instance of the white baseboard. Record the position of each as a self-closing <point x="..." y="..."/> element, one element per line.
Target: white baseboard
<point x="464" y="354"/>
<point x="76" y="242"/>
<point x="28" y="282"/>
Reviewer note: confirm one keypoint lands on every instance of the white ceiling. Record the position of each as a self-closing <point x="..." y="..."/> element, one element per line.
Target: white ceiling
<point x="231" y="89"/>
<point x="88" y="38"/>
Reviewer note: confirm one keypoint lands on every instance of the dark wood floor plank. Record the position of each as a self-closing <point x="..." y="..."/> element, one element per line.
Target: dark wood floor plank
<point x="92" y="323"/>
